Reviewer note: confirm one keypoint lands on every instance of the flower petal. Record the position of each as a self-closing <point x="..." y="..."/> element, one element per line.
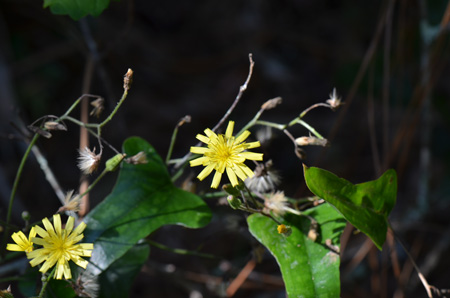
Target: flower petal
<point x="216" y="180"/>
<point x="229" y="131"/>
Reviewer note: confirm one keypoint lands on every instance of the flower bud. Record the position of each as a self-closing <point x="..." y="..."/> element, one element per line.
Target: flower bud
<point x="26" y="215"/>
<point x="114" y="162"/>
<point x="234" y="202"/>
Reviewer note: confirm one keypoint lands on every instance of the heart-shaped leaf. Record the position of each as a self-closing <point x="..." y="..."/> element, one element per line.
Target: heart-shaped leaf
<point x="77" y="9"/>
<point x="366" y="206"/>
<point x="143" y="199"/>
<point x="309" y="268"/>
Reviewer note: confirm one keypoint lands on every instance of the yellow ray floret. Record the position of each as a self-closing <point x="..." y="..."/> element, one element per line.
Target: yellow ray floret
<point x="225" y="153"/>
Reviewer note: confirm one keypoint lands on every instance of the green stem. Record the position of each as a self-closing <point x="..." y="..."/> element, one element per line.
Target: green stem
<point x="172" y="143"/>
<point x="124" y="95"/>
<point x="44" y="286"/>
<point x="271" y="124"/>
<point x="94" y="183"/>
<point x="251" y="122"/>
<point x="310" y="128"/>
<point x="15" y="186"/>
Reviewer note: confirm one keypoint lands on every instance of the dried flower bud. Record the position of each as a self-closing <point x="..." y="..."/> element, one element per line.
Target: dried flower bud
<point x="114" y="162"/>
<point x="276" y="202"/>
<point x="185" y="119"/>
<point x="138" y="159"/>
<point x="71" y="203"/>
<point x="128" y="79"/>
<point x="88" y="161"/>
<point x="98" y="105"/>
<point x="311" y="141"/>
<point x="40" y="131"/>
<point x="53" y="125"/>
<point x="271" y="103"/>
<point x="284" y="230"/>
<point x="334" y="101"/>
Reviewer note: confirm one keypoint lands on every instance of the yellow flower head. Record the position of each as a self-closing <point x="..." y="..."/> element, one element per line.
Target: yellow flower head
<point x="22" y="243"/>
<point x="225" y="152"/>
<point x="59" y="246"/>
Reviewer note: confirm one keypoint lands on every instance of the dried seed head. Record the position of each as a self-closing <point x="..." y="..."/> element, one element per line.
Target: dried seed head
<point x="98" y="105"/>
<point x="265" y="179"/>
<point x="311" y="141"/>
<point x="271" y="103"/>
<point x="88" y="161"/>
<point x="276" y="202"/>
<point x="71" y="203"/>
<point x="334" y="101"/>
<point x="87" y="285"/>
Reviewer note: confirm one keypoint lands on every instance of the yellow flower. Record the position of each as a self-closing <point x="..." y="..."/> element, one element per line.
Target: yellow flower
<point x="23" y="244"/>
<point x="59" y="246"/>
<point x="225" y="152"/>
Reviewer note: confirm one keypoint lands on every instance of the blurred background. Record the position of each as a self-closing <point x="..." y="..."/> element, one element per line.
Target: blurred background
<point x="387" y="59"/>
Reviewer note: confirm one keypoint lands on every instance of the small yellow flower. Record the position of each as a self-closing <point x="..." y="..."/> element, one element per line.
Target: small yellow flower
<point x="23" y="244"/>
<point x="59" y="246"/>
<point x="225" y="152"/>
<point x="282" y="229"/>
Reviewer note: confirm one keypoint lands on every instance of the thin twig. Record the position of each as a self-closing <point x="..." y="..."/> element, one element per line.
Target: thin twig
<point x="241" y="92"/>
<point x="419" y="273"/>
<point x="228" y="112"/>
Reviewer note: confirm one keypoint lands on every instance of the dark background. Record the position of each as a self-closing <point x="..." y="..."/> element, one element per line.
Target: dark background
<point x="189" y="58"/>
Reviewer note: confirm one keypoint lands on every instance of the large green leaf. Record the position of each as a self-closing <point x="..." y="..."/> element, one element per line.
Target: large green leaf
<point x="366" y="206"/>
<point x="77" y="9"/>
<point x="309" y="269"/>
<point x="142" y="200"/>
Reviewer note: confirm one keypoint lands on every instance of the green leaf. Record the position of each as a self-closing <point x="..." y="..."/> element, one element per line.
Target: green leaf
<point x="309" y="269"/>
<point x="366" y="206"/>
<point x="142" y="200"/>
<point x="59" y="288"/>
<point x="77" y="9"/>
<point x="117" y="280"/>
